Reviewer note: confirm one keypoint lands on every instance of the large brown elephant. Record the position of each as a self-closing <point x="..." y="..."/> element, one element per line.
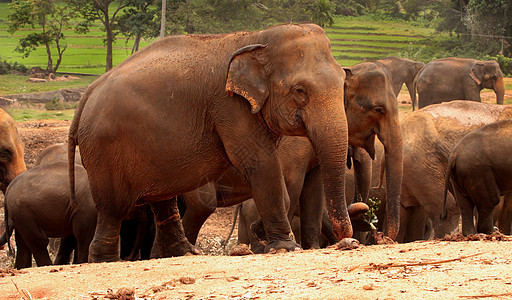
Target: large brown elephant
<point x="453" y="78"/>
<point x="181" y="111"/>
<point x="480" y="172"/>
<point x="372" y="110"/>
<point x="402" y="71"/>
<point x="12" y="161"/>
<point x="429" y="135"/>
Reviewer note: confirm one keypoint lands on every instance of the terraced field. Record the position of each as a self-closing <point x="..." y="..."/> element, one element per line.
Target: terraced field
<point x="355" y="40"/>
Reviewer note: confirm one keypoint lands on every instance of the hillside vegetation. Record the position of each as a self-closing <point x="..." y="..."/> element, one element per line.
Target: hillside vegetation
<point x="354" y="39"/>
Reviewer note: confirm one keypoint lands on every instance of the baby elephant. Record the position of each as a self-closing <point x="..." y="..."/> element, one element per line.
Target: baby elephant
<point x="38" y="206"/>
<point x="480" y="170"/>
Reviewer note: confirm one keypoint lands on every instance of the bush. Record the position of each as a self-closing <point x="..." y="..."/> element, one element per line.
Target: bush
<point x="6" y="67"/>
<point x="504" y="62"/>
<point x="55" y="104"/>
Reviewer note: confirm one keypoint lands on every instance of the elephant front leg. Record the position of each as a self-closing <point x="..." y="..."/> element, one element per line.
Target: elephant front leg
<point x="170" y="236"/>
<point x="311" y="209"/>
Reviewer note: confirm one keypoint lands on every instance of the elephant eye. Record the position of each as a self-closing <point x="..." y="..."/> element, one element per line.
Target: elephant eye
<point x="379" y="110"/>
<point x="300" y="94"/>
<point x="5" y="154"/>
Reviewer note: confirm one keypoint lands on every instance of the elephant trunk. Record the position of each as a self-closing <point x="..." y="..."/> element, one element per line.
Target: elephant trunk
<point x="499" y="89"/>
<point x="392" y="141"/>
<point x="328" y="134"/>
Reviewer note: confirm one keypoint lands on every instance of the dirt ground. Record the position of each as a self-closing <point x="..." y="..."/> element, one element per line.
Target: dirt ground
<point x="460" y="269"/>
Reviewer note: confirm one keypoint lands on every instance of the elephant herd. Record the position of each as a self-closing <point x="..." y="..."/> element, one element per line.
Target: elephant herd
<point x="191" y="123"/>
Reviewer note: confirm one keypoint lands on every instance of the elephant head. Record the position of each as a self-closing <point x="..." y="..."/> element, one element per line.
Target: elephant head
<point x="12" y="161"/>
<point x="487" y="74"/>
<point x="372" y="110"/>
<point x="296" y="86"/>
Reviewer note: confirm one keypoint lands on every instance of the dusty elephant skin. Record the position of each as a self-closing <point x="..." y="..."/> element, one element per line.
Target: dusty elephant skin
<point x="480" y="172"/>
<point x="429" y="135"/>
<point x="37" y="207"/>
<point x="178" y="113"/>
<point x="371" y="109"/>
<point x="454" y="78"/>
<point x="12" y="161"/>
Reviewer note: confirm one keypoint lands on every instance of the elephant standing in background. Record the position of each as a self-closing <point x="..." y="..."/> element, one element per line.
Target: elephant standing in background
<point x="181" y="111"/>
<point x="38" y="207"/>
<point x="429" y="135"/>
<point x="57" y="152"/>
<point x="480" y="172"/>
<point x="402" y="71"/>
<point x="12" y="161"/>
<point x="371" y="110"/>
<point x="454" y="78"/>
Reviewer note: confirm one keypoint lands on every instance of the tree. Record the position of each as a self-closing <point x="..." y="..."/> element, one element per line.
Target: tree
<point x="139" y="21"/>
<point x="322" y="13"/>
<point x="50" y="18"/>
<point x="99" y="10"/>
<point x="162" y="20"/>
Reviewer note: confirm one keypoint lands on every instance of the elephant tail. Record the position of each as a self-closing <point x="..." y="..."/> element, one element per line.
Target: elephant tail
<point x="9" y="228"/>
<point x="226" y="241"/>
<point x="450" y="166"/>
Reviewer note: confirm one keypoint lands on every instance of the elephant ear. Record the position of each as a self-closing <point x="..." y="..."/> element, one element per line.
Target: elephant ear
<point x="247" y="77"/>
<point x="477" y="72"/>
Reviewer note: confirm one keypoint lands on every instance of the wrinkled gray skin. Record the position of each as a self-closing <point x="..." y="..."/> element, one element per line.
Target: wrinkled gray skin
<point x="480" y="172"/>
<point x="402" y="71"/>
<point x="12" y="161"/>
<point x="454" y="78"/>
<point x="46" y="212"/>
<point x="181" y="111"/>
<point x="371" y="110"/>
<point x="429" y="135"/>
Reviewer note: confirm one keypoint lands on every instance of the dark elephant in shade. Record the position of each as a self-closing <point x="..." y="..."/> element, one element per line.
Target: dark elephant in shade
<point x="181" y="111"/>
<point x="402" y="71"/>
<point x="12" y="161"/>
<point x="38" y="207"/>
<point x="371" y="110"/>
<point x="429" y="135"/>
<point x="452" y="78"/>
<point x="480" y="172"/>
<point x="137" y="229"/>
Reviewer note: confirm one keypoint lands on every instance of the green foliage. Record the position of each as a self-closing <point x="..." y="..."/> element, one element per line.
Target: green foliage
<point x="371" y="214"/>
<point x="322" y="13"/>
<point x="20" y="115"/>
<point x="55" y="104"/>
<point x="49" y="18"/>
<point x="504" y="62"/>
<point x="6" y="67"/>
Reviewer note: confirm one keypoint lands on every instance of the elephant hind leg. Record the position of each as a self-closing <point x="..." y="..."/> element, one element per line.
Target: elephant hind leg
<point x="170" y="236"/>
<point x="36" y="241"/>
<point x="23" y="254"/>
<point x="467" y="209"/>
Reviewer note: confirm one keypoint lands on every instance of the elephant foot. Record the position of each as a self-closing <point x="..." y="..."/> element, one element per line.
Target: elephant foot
<point x="282" y="246"/>
<point x="347" y="244"/>
<point x="104" y="250"/>
<point x="240" y="250"/>
<point x="381" y="239"/>
<point x="258" y="231"/>
<point x="179" y="248"/>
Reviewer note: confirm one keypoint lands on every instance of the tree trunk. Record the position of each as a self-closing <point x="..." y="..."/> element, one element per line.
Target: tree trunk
<point x="162" y="23"/>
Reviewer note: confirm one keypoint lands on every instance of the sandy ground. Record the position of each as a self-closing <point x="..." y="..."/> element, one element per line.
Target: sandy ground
<point x="421" y="270"/>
